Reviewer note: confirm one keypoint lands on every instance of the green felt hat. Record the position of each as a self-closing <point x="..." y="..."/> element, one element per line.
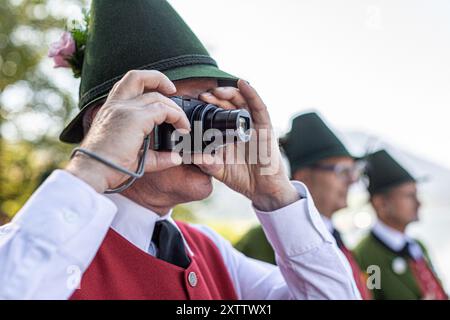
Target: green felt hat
<point x="310" y="141"/>
<point x="385" y="172"/>
<point x="137" y="34"/>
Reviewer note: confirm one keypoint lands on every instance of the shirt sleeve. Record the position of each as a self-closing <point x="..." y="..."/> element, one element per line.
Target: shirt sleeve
<point x="53" y="239"/>
<point x="310" y="265"/>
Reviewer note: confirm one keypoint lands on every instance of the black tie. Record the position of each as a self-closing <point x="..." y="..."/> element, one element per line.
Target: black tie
<point x="170" y="244"/>
<point x="406" y="252"/>
<point x="337" y="237"/>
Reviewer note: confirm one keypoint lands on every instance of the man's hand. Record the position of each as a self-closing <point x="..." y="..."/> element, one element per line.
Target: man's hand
<point x="134" y="106"/>
<point x="265" y="183"/>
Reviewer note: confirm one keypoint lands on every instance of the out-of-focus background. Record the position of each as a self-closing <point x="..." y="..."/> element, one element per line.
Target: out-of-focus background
<point x="378" y="71"/>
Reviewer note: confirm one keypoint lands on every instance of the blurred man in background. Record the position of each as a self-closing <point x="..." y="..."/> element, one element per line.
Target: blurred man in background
<point x="320" y="160"/>
<point x="406" y="269"/>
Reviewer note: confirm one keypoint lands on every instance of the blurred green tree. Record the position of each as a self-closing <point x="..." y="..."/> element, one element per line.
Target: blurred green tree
<point x="33" y="107"/>
<point x="35" y="100"/>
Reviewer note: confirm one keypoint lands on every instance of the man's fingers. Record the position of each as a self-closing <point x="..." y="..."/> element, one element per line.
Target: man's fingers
<point x="256" y="106"/>
<point x="210" y="98"/>
<point x="157" y="113"/>
<point x="153" y="97"/>
<point x="136" y="82"/>
<point x="209" y="164"/>
<point x="157" y="161"/>
<point x="230" y="94"/>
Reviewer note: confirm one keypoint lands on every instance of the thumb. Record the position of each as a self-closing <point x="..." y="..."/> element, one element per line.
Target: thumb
<point x="158" y="161"/>
<point x="209" y="164"/>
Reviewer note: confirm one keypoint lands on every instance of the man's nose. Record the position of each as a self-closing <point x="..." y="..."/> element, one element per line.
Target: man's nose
<point x="351" y="178"/>
<point x="418" y="203"/>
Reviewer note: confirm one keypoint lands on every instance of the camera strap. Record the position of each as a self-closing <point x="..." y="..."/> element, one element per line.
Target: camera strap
<point x="133" y="175"/>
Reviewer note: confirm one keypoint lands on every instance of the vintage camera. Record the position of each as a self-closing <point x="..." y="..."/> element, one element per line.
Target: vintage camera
<point x="230" y="126"/>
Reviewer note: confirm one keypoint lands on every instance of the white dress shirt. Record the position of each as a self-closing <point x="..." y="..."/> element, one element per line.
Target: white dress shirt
<point x="328" y="223"/>
<point x="55" y="236"/>
<point x="396" y="240"/>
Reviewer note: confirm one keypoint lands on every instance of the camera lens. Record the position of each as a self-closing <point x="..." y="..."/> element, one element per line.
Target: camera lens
<point x="204" y="116"/>
<point x="230" y="122"/>
<point x="243" y="127"/>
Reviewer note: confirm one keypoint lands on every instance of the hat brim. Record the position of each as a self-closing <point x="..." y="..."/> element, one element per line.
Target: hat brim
<point x="314" y="159"/>
<point x="74" y="132"/>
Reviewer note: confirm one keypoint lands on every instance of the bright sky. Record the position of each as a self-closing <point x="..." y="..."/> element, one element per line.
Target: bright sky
<point x="382" y="67"/>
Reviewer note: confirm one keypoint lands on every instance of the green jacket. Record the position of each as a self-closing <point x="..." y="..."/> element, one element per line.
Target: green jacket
<point x="254" y="244"/>
<point x="394" y="285"/>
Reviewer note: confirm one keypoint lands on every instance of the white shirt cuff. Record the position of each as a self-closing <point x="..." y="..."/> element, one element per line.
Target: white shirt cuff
<point x="296" y="228"/>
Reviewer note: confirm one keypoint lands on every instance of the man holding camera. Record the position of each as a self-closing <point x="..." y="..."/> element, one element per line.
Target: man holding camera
<point x="126" y="246"/>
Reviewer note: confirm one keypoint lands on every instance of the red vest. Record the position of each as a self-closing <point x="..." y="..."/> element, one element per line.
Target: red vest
<point x="120" y="270"/>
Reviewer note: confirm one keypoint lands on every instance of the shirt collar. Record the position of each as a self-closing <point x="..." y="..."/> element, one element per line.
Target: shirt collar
<point x="395" y="239"/>
<point x="137" y="223"/>
<point x="328" y="223"/>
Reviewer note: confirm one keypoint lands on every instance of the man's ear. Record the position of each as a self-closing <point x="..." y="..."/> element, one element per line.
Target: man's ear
<point x="378" y="202"/>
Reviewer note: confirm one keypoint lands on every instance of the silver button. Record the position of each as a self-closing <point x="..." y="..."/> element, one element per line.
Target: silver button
<point x="399" y="265"/>
<point x="192" y="278"/>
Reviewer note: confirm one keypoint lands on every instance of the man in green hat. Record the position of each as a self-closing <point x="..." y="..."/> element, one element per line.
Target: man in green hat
<point x="137" y="54"/>
<point x="405" y="270"/>
<point x="328" y="169"/>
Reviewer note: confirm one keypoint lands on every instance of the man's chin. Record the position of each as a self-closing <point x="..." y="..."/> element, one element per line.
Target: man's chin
<point x="341" y="205"/>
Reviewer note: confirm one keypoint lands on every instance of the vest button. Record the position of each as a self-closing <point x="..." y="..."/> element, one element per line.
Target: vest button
<point x="192" y="278"/>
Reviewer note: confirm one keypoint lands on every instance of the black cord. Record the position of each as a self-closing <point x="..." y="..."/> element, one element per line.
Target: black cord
<point x="133" y="175"/>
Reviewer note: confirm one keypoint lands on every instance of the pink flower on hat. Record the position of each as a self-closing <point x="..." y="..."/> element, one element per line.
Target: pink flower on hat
<point x="62" y="50"/>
